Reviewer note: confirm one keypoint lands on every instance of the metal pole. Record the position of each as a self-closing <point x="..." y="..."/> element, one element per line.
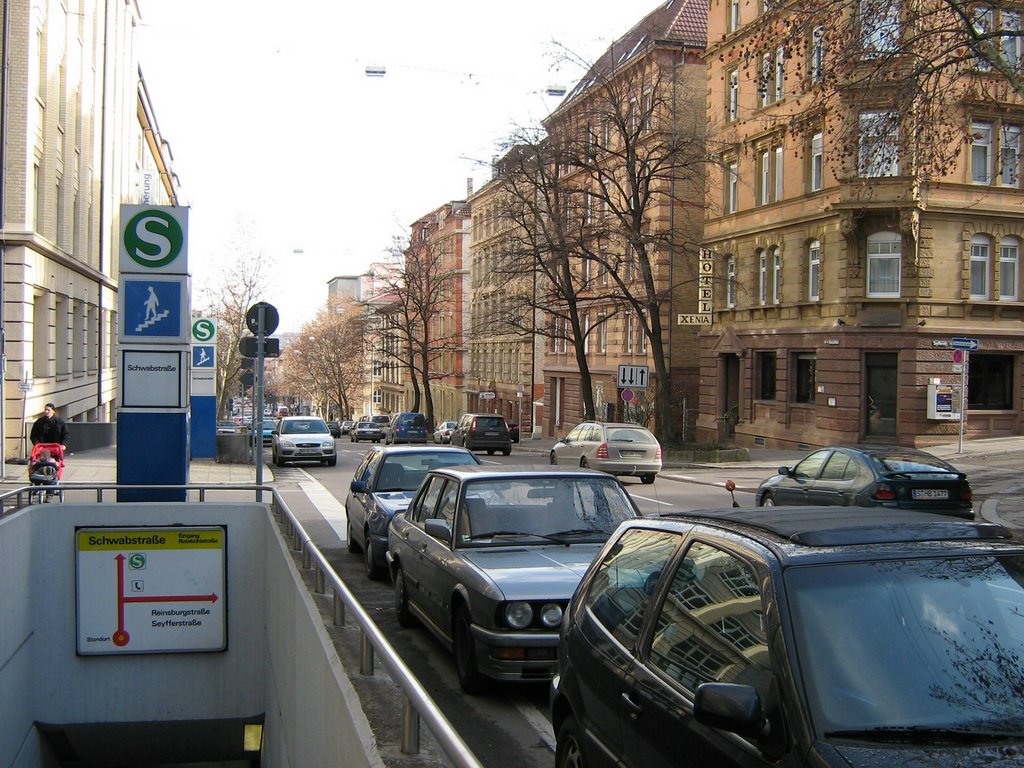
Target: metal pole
<point x="963" y="400"/>
<point x="258" y="420"/>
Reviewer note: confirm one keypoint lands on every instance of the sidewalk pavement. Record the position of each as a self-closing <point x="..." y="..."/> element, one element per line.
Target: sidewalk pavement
<point x="99" y="465"/>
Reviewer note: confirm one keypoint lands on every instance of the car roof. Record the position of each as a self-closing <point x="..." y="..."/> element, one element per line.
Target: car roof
<point x="824" y="533"/>
<point x="393" y="449"/>
<point x="475" y="472"/>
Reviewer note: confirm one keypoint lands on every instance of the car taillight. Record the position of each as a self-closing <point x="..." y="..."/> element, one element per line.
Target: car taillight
<point x="967" y="494"/>
<point x="602" y="451"/>
<point x="472" y="426"/>
<point x="657" y="452"/>
<point x="884" y="492"/>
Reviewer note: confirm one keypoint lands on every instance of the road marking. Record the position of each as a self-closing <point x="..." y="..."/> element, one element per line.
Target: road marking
<point x="332" y="510"/>
<point x="648" y="498"/>
<point x="539" y="722"/>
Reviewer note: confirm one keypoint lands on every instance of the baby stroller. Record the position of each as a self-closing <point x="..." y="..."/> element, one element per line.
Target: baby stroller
<point x="45" y="469"/>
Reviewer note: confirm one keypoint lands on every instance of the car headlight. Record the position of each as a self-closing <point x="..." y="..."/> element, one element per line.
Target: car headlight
<point x="327" y="443"/>
<point x="287" y="443"/>
<point x="518" y="615"/>
<point x="551" y="615"/>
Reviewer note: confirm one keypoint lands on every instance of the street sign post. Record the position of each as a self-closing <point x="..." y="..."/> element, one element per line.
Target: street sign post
<point x="963" y="342"/>
<point x="633" y="376"/>
<point x="968" y="345"/>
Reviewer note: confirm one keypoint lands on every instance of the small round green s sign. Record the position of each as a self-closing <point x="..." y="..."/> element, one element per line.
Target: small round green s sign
<point x="203" y="329"/>
<point x="153" y="238"/>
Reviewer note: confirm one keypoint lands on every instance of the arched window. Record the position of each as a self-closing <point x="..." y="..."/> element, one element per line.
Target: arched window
<point x="885" y="259"/>
<point x="981" y="267"/>
<point x="1009" y="269"/>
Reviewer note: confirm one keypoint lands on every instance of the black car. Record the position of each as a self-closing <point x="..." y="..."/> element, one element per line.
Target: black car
<point x="791" y="637"/>
<point x="871" y="477"/>
<point x="335" y="428"/>
<point x="483" y="432"/>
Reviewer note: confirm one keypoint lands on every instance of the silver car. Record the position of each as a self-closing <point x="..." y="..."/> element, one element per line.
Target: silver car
<point x="302" y="438"/>
<point x="619" y="449"/>
<point x="487" y="558"/>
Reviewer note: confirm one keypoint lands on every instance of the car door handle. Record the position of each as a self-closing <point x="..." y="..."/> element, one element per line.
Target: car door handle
<point x="631" y="706"/>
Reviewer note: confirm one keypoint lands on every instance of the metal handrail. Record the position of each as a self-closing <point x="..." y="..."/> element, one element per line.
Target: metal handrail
<point x="418" y="703"/>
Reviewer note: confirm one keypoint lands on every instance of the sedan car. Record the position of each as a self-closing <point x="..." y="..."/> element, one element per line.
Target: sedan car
<point x="618" y="449"/>
<point x="406" y="427"/>
<point x="335" y="427"/>
<point x="227" y="427"/>
<point x="443" y="432"/>
<point x="871" y="477"/>
<point x="385" y="481"/>
<point x="366" y="430"/>
<point x="487" y="558"/>
<point x="302" y="438"/>
<point x="269" y="425"/>
<point x="346" y="426"/>
<point x="795" y="637"/>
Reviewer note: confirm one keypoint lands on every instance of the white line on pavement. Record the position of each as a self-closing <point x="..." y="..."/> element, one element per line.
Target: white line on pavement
<point x="648" y="498"/>
<point x="332" y="510"/>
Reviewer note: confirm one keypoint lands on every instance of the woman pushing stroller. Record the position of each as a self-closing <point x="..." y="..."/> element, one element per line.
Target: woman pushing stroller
<point x="49" y="437"/>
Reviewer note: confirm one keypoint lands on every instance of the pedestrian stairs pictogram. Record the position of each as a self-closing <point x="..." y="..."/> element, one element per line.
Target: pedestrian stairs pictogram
<point x="153" y="320"/>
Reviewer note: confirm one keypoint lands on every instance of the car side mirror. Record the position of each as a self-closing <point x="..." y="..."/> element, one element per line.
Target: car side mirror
<point x="730" y="707"/>
<point x="784" y="471"/>
<point x="439" y="529"/>
<point x="359" y="486"/>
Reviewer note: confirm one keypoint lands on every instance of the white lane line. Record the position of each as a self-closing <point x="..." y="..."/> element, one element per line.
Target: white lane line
<point x="332" y="510"/>
<point x="648" y="498"/>
<point x="540" y="724"/>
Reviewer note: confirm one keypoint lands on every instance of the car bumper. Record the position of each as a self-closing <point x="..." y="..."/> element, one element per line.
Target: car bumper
<point x="516" y="655"/>
<point x="626" y="467"/>
<point x="312" y="454"/>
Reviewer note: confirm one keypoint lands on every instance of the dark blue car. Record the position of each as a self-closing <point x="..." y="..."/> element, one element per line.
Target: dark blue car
<point x="406" y="428"/>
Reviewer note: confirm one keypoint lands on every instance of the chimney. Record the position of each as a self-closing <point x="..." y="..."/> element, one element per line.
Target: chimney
<point x="469" y="187"/>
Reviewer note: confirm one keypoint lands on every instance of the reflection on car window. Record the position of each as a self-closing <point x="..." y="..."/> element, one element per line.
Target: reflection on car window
<point x="624" y="582"/>
<point x="840" y="467"/>
<point x="811" y="465"/>
<point x="428" y="500"/>
<point x="897" y="462"/>
<point x="304" y="426"/>
<point x="711" y="626"/>
<point x="631" y="435"/>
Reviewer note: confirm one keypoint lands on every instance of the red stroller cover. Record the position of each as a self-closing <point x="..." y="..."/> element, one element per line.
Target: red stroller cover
<point x="42" y="472"/>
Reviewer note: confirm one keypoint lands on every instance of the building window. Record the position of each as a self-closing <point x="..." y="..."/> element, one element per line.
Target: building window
<point x="1010" y="42"/>
<point x="780" y="73"/>
<point x="804" y="363"/>
<point x="732" y="180"/>
<point x="984" y="153"/>
<point x="981" y="254"/>
<point x="880" y="26"/>
<point x="602" y="333"/>
<point x="734" y="15"/>
<point x="586" y="334"/>
<point x="732" y="100"/>
<point x="769" y="170"/>
<point x="730" y="282"/>
<point x="627" y="334"/>
<point x="762" y="277"/>
<point x="991" y="378"/>
<point x="814" y="271"/>
<point x="767" y="363"/>
<point x="817" y="161"/>
<point x="1009" y="270"/>
<point x="878" y="150"/>
<point x="884" y="264"/>
<point x="817" y="54"/>
<point x="981" y="153"/>
<point x="776" y="276"/>
<point x="1009" y="156"/>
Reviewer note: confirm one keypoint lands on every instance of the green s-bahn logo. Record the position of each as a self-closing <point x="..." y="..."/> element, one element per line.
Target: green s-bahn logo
<point x="153" y="238"/>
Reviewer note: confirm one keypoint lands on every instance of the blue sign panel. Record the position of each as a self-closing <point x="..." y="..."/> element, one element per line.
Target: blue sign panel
<point x="152" y="309"/>
<point x="203" y="356"/>
<point x="963" y="342"/>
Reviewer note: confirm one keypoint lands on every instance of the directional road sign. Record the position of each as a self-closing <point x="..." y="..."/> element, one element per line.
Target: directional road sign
<point x="963" y="342"/>
<point x="154" y="309"/>
<point x="633" y="376"/>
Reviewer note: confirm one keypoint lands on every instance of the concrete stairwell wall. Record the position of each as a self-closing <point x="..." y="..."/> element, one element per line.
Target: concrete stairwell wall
<point x="280" y="668"/>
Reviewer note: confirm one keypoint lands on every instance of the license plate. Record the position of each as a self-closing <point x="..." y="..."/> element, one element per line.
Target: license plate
<point x="307" y="451"/>
<point x="630" y="454"/>
<point x="930" y="493"/>
<point x="491" y="434"/>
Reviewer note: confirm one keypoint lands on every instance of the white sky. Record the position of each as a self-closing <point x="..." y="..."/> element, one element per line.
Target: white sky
<point x="273" y="122"/>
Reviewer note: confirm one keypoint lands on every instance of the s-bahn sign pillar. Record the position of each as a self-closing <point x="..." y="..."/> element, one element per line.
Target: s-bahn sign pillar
<point x="154" y="352"/>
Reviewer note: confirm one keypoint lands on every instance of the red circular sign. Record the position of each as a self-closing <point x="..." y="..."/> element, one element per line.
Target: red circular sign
<point x="628" y="395"/>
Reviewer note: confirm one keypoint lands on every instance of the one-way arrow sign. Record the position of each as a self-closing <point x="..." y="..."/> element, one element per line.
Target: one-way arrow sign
<point x="633" y="376"/>
<point x="963" y="342"/>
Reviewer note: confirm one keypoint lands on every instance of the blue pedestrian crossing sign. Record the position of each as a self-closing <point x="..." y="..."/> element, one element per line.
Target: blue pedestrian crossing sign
<point x="203" y="356"/>
<point x="155" y="309"/>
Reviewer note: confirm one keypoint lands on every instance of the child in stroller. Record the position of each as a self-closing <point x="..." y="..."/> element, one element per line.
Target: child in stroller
<point x="45" y="468"/>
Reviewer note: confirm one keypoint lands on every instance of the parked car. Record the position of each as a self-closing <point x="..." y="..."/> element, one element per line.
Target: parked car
<point x="269" y="425"/>
<point x="487" y="557"/>
<point x="366" y="430"/>
<point x="795" y="637"/>
<point x="346" y="426"/>
<point x="335" y="428"/>
<point x="443" y="432"/>
<point x="483" y="432"/>
<point x="302" y="438"/>
<point x="227" y="427"/>
<point x="871" y="477"/>
<point x="619" y="449"/>
<point x="382" y="419"/>
<point x="383" y="484"/>
<point x="406" y="427"/>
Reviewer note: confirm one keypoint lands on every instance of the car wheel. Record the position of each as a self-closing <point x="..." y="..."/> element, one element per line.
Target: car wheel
<point x="766" y="501"/>
<point x="490" y="451"/>
<point x="506" y="451"/>
<point x="568" y="745"/>
<point x="405" y="617"/>
<point x="374" y="572"/>
<point x="332" y="462"/>
<point x="353" y="545"/>
<point x="553" y="459"/>
<point x="465" y="654"/>
<point x="648" y="478"/>
<point x="278" y="461"/>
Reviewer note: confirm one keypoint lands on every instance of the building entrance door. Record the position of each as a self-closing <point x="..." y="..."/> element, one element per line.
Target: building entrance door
<point x="730" y="397"/>
<point x="880" y="413"/>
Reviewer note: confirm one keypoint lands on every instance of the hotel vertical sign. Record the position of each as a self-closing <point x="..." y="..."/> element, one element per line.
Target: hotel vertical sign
<point x="705" y="291"/>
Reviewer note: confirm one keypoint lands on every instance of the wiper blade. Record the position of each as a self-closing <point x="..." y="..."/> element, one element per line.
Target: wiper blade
<point x="919" y="733"/>
<point x="493" y="534"/>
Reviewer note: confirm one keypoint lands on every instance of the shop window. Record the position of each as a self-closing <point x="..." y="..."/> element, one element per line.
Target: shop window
<point x="804" y="364"/>
<point x="991" y="382"/>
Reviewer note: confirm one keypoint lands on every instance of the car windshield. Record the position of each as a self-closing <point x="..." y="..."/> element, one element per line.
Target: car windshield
<point x="630" y="435"/>
<point x="405" y="472"/>
<point x="304" y="426"/>
<point x="916" y="644"/>
<point x="912" y="464"/>
<point x="532" y="510"/>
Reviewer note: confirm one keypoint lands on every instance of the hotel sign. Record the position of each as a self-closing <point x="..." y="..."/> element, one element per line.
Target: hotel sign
<point x="705" y="289"/>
